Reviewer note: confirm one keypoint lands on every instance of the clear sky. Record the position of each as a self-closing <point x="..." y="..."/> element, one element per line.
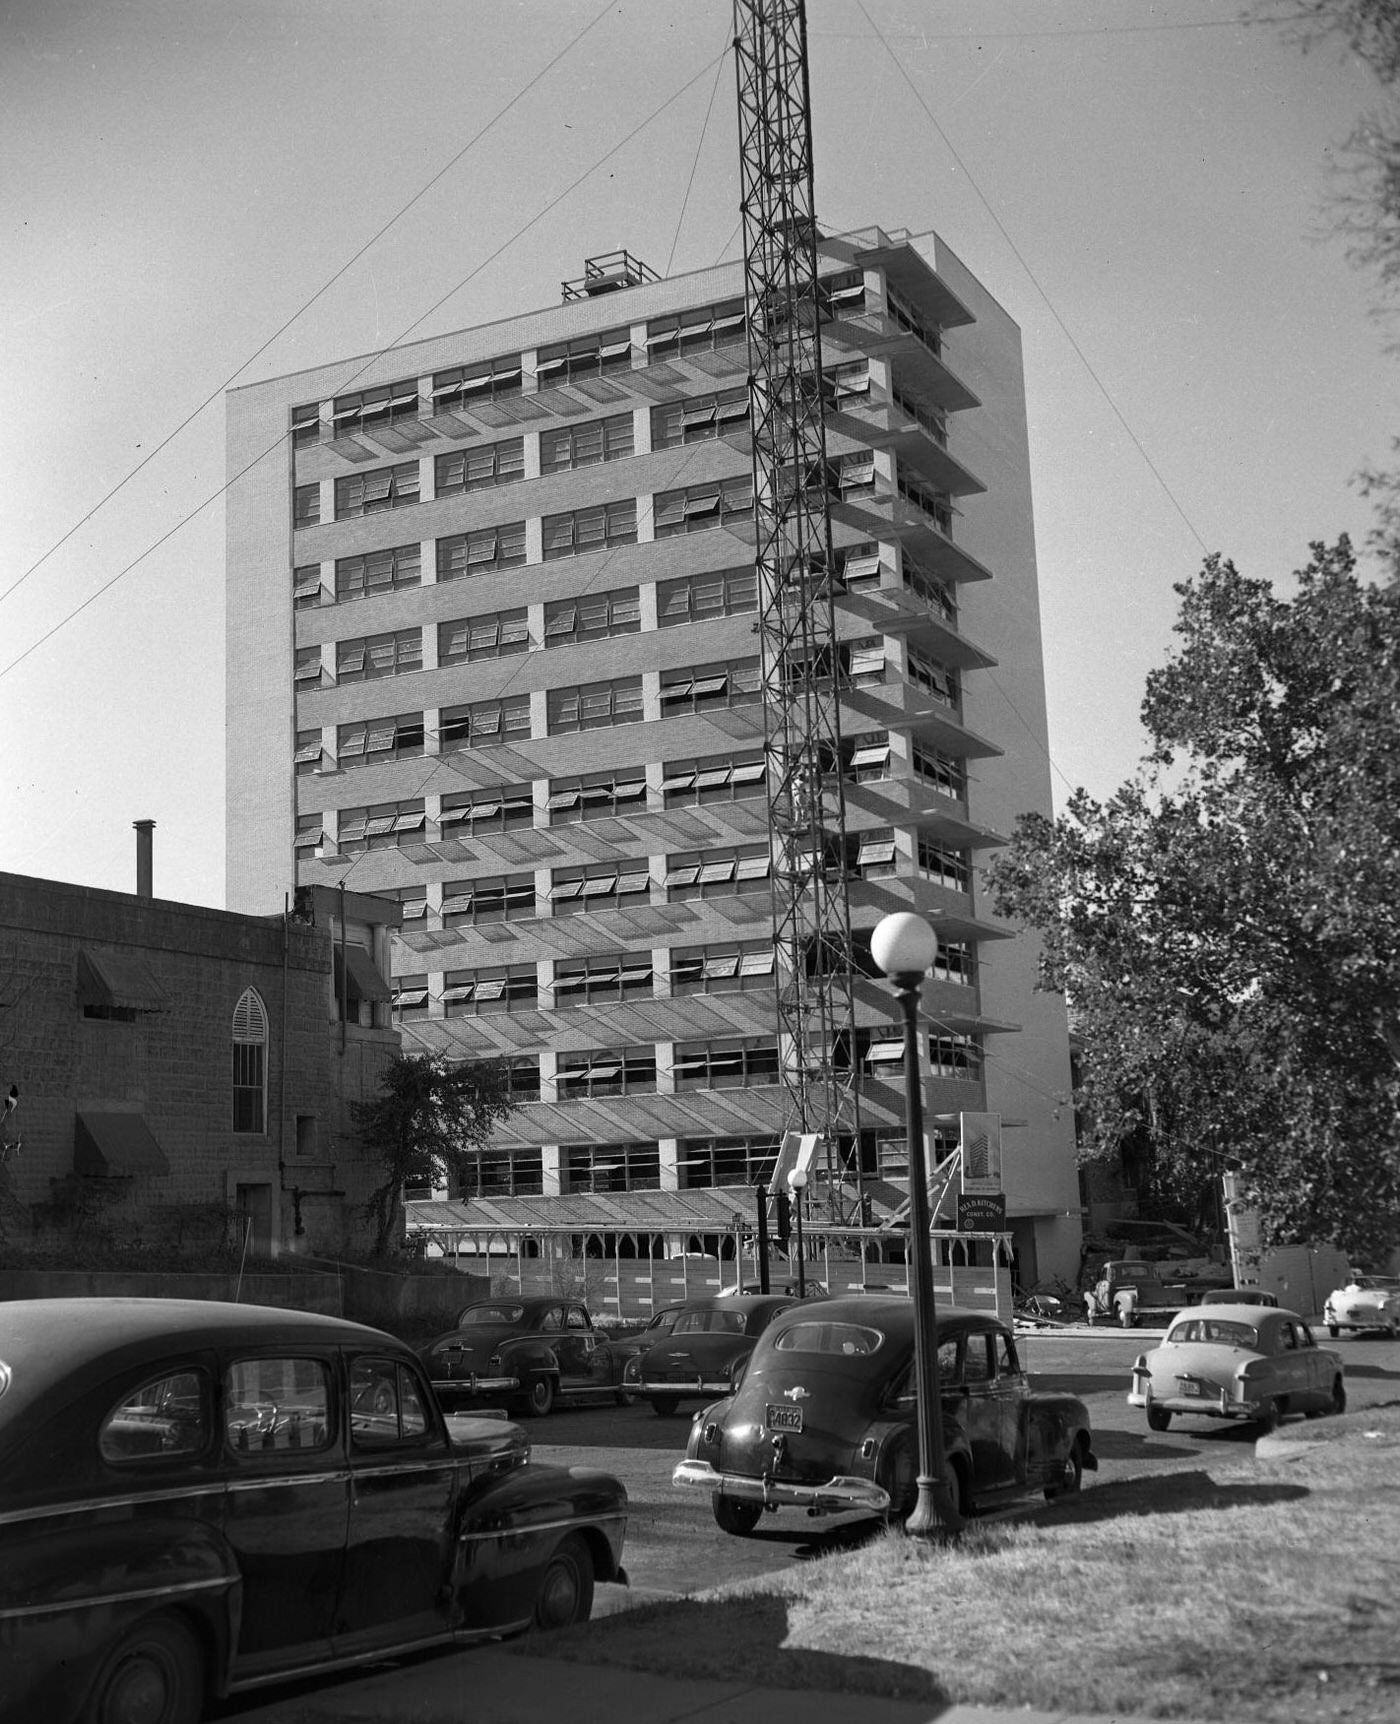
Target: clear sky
<point x="187" y="184"/>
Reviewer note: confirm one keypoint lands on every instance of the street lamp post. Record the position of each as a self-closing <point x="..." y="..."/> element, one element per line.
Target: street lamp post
<point x="904" y="946"/>
<point x="797" y="1182"/>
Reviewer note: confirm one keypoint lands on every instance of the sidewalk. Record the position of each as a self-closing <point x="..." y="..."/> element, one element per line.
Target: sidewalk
<point x="490" y="1686"/>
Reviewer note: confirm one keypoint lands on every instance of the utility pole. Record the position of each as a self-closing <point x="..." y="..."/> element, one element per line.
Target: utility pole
<point x="802" y="670"/>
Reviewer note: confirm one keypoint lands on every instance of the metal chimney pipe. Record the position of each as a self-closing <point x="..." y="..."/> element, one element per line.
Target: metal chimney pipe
<point x="145" y="887"/>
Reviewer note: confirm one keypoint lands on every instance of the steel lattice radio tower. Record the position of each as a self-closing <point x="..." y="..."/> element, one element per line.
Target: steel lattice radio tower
<point x="793" y="555"/>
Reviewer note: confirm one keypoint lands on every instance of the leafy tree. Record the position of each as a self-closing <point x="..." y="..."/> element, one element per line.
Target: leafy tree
<point x="1227" y="926"/>
<point x="423" y="1125"/>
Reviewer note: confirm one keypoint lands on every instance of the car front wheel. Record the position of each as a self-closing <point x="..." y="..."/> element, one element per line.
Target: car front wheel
<point x="539" y="1397"/>
<point x="566" y="1589"/>
<point x="736" y="1515"/>
<point x="665" y="1405"/>
<point x="1338" y="1403"/>
<point x="155" y="1675"/>
<point x="1268" y="1419"/>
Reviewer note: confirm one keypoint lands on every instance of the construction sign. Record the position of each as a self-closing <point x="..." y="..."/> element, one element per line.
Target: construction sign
<point x="980" y="1138"/>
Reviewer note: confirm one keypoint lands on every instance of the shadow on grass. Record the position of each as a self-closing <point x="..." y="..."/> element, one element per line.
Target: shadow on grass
<point x="753" y="1632"/>
<point x="1175" y="1493"/>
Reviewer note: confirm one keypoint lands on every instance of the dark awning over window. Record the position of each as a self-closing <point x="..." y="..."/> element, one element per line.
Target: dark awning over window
<point x="366" y="983"/>
<point x="115" y="1145"/>
<point x="119" y="979"/>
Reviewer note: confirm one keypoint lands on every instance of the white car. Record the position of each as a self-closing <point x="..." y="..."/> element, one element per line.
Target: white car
<point x="1366" y="1302"/>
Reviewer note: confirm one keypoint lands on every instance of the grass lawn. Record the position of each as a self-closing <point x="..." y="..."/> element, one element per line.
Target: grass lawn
<point x="1269" y="1592"/>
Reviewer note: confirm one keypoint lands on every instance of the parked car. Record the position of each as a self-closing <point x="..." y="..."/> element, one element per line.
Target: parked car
<point x="198" y="1498"/>
<point x="530" y="1352"/>
<point x="825" y="1418"/>
<point x="1238" y="1296"/>
<point x="704" y="1351"/>
<point x="1366" y="1302"/>
<point x="1237" y="1362"/>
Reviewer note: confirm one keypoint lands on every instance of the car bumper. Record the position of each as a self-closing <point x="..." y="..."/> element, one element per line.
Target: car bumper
<point x="714" y="1387"/>
<point x="1220" y="1405"/>
<point x="831" y="1497"/>
<point x="449" y="1387"/>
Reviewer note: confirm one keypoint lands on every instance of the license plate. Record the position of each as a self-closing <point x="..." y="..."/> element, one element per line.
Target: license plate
<point x="1190" y="1388"/>
<point x="784" y="1418"/>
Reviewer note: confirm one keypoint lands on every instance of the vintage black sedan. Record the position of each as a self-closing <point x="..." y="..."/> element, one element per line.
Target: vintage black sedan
<point x="530" y="1352"/>
<point x="825" y="1419"/>
<point x="704" y="1352"/>
<point x="196" y="1498"/>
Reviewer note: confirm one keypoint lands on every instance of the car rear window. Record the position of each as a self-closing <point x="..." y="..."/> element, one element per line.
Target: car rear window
<point x="166" y="1416"/>
<point x="1213" y="1332"/>
<point x="480" y="1314"/>
<point x="847" y="1340"/>
<point x="710" y="1322"/>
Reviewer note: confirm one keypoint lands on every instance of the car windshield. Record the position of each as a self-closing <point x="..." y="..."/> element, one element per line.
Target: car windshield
<point x="1375" y="1283"/>
<point x="845" y="1339"/>
<point x="709" y="1322"/>
<point x="476" y="1315"/>
<point x="1214" y="1333"/>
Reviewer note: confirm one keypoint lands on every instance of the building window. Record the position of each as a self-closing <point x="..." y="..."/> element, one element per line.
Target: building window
<point x="468" y="903"/>
<point x="479" y="469"/>
<point x="591" y="529"/>
<point x="382" y="488"/>
<point x="495" y="634"/>
<point x="479" y="552"/>
<point x="863" y="661"/>
<point x="710" y="1161"/>
<point x="308" y="753"/>
<point x="410" y="997"/>
<point x="737" y="967"/>
<point x="594" y="705"/>
<point x="310" y="833"/>
<point x="846" y="385"/>
<point x="500" y="1173"/>
<point x="904" y="314"/>
<point x="585" y="356"/>
<point x="717" y="873"/>
<point x="702" y="329"/>
<point x="934" y="504"/>
<point x="858" y="567"/>
<point x="487" y="380"/>
<point x="380" y="826"/>
<point x="609" y="1167"/>
<point x="483" y="993"/>
<point x="600" y="886"/>
<point x="306" y="505"/>
<point x="586" y="445"/>
<point x="957" y="1057"/>
<point x="378" y="572"/>
<point x="929" y="589"/>
<point x="306" y="587"/>
<point x="948" y="867"/>
<point x="947" y="775"/>
<point x="707" y="687"/>
<point x="699" y="418"/>
<point x="701" y="598"/>
<point x="726" y="1065"/>
<point x="602" y="980"/>
<point x="698" y="507"/>
<point x="484" y="723"/>
<point x="869" y="757"/>
<point x="935" y="678"/>
<point x="307" y="667"/>
<point x="306" y="424"/>
<point x="874" y="853"/>
<point x="955" y="962"/>
<point x="506" y="808"/>
<point x="606" y="1072"/>
<point x="372" y="741"/>
<point x="413" y="900"/>
<point x="368" y="409"/>
<point x="841" y="295"/>
<point x="596" y="796"/>
<point x="250" y="1064"/>
<point x="379" y="655"/>
<point x="591" y="617"/>
<point x="720" y="778"/>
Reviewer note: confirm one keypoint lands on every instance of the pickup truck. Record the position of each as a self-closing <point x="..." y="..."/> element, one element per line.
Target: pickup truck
<point x="1122" y="1290"/>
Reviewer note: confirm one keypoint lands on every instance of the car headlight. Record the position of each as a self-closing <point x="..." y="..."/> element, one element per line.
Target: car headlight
<point x="632" y="1370"/>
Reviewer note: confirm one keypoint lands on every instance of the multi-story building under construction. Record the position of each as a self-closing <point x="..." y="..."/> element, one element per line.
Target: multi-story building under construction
<point x="494" y="649"/>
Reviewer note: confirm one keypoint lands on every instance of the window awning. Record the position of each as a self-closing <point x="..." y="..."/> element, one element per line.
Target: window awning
<point x="119" y="979"/>
<point x="365" y="980"/>
<point x="115" y="1145"/>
